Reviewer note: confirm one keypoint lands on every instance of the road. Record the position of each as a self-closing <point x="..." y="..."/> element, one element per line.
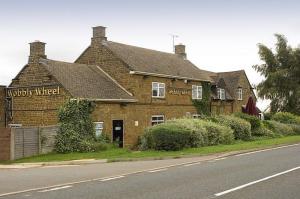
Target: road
<point x="268" y="174"/>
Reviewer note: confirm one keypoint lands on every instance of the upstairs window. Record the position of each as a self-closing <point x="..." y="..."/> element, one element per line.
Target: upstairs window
<point x="158" y="89"/>
<point x="221" y="93"/>
<point x="157" y="119"/>
<point x="196" y="92"/>
<point x="240" y="94"/>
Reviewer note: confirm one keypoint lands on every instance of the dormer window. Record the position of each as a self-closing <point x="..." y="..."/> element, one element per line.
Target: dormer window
<point x="158" y="90"/>
<point x="240" y="94"/>
<point x="221" y="93"/>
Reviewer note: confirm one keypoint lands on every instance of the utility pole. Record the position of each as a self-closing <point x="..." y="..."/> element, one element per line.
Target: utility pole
<point x="173" y="40"/>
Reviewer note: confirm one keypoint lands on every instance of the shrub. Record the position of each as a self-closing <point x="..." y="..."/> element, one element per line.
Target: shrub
<point x="254" y="121"/>
<point x="268" y="116"/>
<point x="296" y="128"/>
<point x="218" y="134"/>
<point x="76" y="129"/>
<point x="168" y="136"/>
<point x="279" y="128"/>
<point x="264" y="132"/>
<point x="241" y="128"/>
<point x="287" y="118"/>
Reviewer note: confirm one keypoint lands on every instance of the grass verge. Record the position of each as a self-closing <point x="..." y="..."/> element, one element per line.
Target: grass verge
<point x="117" y="154"/>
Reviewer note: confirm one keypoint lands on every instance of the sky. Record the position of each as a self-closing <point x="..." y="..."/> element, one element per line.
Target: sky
<point x="220" y="35"/>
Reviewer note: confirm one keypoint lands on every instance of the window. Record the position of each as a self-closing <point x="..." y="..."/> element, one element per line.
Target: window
<point x="98" y="128"/>
<point x="158" y="89"/>
<point x="157" y="119"/>
<point x="240" y="94"/>
<point x="221" y="93"/>
<point x="196" y="92"/>
<point x="196" y="116"/>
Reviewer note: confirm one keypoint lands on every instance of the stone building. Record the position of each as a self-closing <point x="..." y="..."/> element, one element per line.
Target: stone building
<point x="132" y="87"/>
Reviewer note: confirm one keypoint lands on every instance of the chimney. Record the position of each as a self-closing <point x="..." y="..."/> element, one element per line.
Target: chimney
<point x="37" y="50"/>
<point x="180" y="51"/>
<point x="98" y="35"/>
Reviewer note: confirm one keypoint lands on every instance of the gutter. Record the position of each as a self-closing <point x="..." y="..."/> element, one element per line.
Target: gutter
<point x="166" y="76"/>
<point x="107" y="100"/>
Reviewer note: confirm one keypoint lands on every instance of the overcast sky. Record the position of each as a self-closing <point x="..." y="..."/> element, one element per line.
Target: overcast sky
<point x="219" y="35"/>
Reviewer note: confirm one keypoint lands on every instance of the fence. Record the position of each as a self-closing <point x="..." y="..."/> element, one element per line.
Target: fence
<point x="25" y="142"/>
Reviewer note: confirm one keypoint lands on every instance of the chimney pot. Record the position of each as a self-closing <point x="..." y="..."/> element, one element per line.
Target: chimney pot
<point x="180" y="51"/>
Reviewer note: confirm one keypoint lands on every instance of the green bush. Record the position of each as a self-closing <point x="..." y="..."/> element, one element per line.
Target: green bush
<point x="76" y="129"/>
<point x="296" y="128"/>
<point x="263" y="132"/>
<point x="254" y="121"/>
<point x="287" y="118"/>
<point x="279" y="128"/>
<point x="241" y="128"/>
<point x="168" y="136"/>
<point x="218" y="134"/>
<point x="268" y="116"/>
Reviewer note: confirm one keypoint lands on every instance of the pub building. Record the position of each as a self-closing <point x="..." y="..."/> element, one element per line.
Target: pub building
<point x="131" y="87"/>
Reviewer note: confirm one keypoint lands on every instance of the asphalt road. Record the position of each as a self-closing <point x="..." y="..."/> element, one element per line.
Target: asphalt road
<point x="267" y="174"/>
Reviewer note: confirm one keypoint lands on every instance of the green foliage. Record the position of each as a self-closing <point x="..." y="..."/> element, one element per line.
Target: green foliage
<point x="296" y="128"/>
<point x="254" y="121"/>
<point x="268" y="116"/>
<point x="76" y="129"/>
<point x="218" y="134"/>
<point x="241" y="128"/>
<point x="203" y="105"/>
<point x="181" y="133"/>
<point x="279" y="128"/>
<point x="287" y="118"/>
<point x="281" y="71"/>
<point x="264" y="132"/>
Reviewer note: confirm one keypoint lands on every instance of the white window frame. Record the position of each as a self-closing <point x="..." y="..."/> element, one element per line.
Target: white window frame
<point x="240" y="93"/>
<point x="99" y="128"/>
<point x="196" y="116"/>
<point x="196" y="92"/>
<point x="157" y="121"/>
<point x="158" y="87"/>
<point x="221" y="93"/>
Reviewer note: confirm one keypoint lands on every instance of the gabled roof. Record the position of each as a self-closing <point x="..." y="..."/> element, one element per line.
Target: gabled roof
<point x="155" y="62"/>
<point x="86" y="81"/>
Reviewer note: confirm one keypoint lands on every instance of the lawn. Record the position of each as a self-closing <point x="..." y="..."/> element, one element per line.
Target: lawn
<point x="117" y="154"/>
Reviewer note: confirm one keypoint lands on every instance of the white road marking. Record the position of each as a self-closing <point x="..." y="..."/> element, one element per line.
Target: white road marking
<point x="111" y="178"/>
<point x="55" y="189"/>
<point x="59" y="166"/>
<point x="256" y="181"/>
<point x="221" y="158"/>
<point x="187" y="165"/>
<point x="263" y="150"/>
<point x="157" y="170"/>
<point x="125" y="174"/>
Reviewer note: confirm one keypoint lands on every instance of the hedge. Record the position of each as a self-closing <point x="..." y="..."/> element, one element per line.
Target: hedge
<point x="255" y="122"/>
<point x="279" y="128"/>
<point x="287" y="118"/>
<point x="241" y="128"/>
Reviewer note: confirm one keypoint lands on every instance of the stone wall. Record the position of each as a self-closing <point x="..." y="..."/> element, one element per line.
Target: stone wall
<point x="2" y="106"/>
<point x="4" y="144"/>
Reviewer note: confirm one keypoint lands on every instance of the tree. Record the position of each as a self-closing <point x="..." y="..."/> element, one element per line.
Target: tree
<point x="281" y="70"/>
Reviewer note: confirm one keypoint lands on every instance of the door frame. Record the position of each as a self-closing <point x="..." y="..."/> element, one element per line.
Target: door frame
<point x="123" y="130"/>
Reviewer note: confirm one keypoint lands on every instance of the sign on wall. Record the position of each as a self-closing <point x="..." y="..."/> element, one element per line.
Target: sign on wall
<point x="34" y="91"/>
<point x="178" y="91"/>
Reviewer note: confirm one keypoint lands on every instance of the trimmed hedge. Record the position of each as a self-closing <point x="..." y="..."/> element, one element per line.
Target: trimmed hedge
<point x="181" y="133"/>
<point x="287" y="118"/>
<point x="254" y="121"/>
<point x="279" y="128"/>
<point x="241" y="128"/>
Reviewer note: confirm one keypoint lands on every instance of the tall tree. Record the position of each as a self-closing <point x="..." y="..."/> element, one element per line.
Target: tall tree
<point x="281" y="70"/>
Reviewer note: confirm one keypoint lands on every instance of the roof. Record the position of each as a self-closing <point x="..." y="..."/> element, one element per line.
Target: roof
<point x="156" y="62"/>
<point x="86" y="81"/>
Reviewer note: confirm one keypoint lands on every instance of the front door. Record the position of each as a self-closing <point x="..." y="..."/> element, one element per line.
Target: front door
<point x="118" y="132"/>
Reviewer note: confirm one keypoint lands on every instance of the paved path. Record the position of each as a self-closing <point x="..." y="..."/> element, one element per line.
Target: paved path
<point x="267" y="174"/>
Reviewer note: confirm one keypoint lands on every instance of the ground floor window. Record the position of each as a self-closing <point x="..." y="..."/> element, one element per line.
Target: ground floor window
<point x="157" y="119"/>
<point x="98" y="128"/>
<point x="196" y="116"/>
